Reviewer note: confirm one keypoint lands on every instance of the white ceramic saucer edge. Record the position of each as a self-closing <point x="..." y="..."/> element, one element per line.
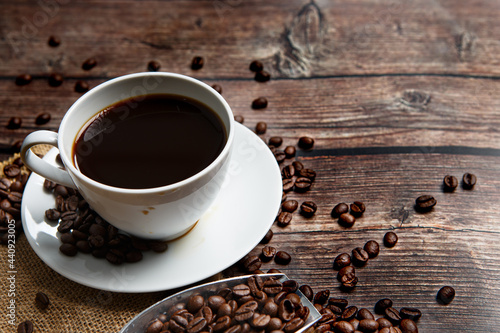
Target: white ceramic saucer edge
<point x="225" y="234"/>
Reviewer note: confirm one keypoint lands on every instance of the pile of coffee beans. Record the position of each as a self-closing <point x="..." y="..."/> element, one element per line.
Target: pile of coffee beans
<point x="346" y="217"/>
<point x="83" y="230"/>
<point x="261" y="304"/>
<point x="261" y="75"/>
<point x="12" y="184"/>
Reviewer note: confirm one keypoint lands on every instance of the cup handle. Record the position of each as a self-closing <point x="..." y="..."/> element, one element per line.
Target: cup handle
<point x="42" y="167"/>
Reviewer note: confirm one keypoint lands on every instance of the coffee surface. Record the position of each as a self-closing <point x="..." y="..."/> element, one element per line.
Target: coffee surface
<point x="147" y="142"/>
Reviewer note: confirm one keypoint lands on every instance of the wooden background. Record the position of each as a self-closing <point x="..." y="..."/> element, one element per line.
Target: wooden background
<point x="396" y="94"/>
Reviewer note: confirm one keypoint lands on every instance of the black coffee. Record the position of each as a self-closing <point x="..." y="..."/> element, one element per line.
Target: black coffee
<point x="149" y="141"/>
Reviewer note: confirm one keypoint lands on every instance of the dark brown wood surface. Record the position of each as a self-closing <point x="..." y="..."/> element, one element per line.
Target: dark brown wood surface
<point x="396" y="94"/>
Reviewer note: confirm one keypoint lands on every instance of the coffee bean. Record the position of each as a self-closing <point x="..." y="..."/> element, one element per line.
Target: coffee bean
<point x="290" y="205"/>
<point x="450" y="183"/>
<point x="290" y="151"/>
<point x="425" y="203"/>
<point x="408" y="326"/>
<point x="321" y="296"/>
<point x="308" y="208"/>
<point x="267" y="238"/>
<point x="25" y="327"/>
<point x="252" y="263"/>
<point x="347" y="220"/>
<point x="410" y="313"/>
<point x="259" y="103"/>
<point x="89" y="64"/>
<point x="390" y="239"/>
<point x="11" y="170"/>
<point x="55" y="80"/>
<point x="156" y="326"/>
<point x="307" y="291"/>
<point x="382" y="305"/>
<point x="282" y="258"/>
<point x="341" y="261"/>
<point x="306" y="142"/>
<point x="275" y="141"/>
<point x="393" y="315"/>
<point x="52" y="214"/>
<point x="364" y="313"/>
<point x="69" y="250"/>
<point x="284" y="219"/>
<point x="280" y="156"/>
<point x="349" y="280"/>
<point x="468" y="181"/>
<point x="23" y="79"/>
<point x="153" y="66"/>
<point x="345" y="270"/>
<point x="343" y="326"/>
<point x="288" y="184"/>
<point x="288" y="171"/>
<point x="14" y="123"/>
<point x="81" y="86"/>
<point x="261" y="127"/>
<point x="54" y="41"/>
<point x="217" y="88"/>
<point x="349" y="313"/>
<point x="42" y="301"/>
<point x="368" y="325"/>
<point x="268" y="253"/>
<point x="42" y="118"/>
<point x="446" y="294"/>
<point x="359" y="257"/>
<point x="307" y="173"/>
<point x="372" y="248"/>
<point x="302" y="184"/>
<point x="357" y="208"/>
<point x="262" y="76"/>
<point x="339" y="209"/>
<point x="239" y="119"/>
<point x="383" y="323"/>
<point x="256" y="66"/>
<point x="390" y="330"/>
<point x="115" y="257"/>
<point x="197" y="63"/>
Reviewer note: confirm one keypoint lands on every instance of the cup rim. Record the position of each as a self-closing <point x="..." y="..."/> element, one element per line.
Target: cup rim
<point x="164" y="188"/>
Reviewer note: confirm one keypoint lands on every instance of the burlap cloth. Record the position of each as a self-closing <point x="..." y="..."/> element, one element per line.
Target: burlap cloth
<point x="73" y="307"/>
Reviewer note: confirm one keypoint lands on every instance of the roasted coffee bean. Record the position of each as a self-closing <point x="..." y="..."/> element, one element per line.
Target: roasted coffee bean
<point x="69" y="250"/>
<point x="270" y="308"/>
<point x="293" y="325"/>
<point x="261" y="127"/>
<point x="450" y="183"/>
<point x="23" y="79"/>
<point x="153" y="66"/>
<point x="275" y="141"/>
<point x="286" y="310"/>
<point x="344" y="271"/>
<point x="446" y="294"/>
<point x="156" y="326"/>
<point x="262" y="76"/>
<point x="341" y="261"/>
<point x="284" y="219"/>
<point x="115" y="256"/>
<point x="290" y="151"/>
<point x="343" y="326"/>
<point x="197" y="63"/>
<point x="290" y="287"/>
<point x="239" y="119"/>
<point x="307" y="291"/>
<point x="357" y="208"/>
<point x="408" y="326"/>
<point x="267" y="238"/>
<point x="15" y="197"/>
<point x="390" y="330"/>
<point x="372" y="248"/>
<point x="158" y="246"/>
<point x="5" y="183"/>
<point x="288" y="171"/>
<point x="282" y="258"/>
<point x="42" y="300"/>
<point x="364" y="313"/>
<point x="268" y="253"/>
<point x="368" y="325"/>
<point x="255" y="283"/>
<point x="341" y="303"/>
<point x="383" y="323"/>
<point x="259" y="103"/>
<point x="65" y="226"/>
<point x="215" y="301"/>
<point x="308" y="208"/>
<point x="55" y="80"/>
<point x="288" y="184"/>
<point x="96" y="241"/>
<point x="256" y="66"/>
<point x="290" y="206"/>
<point x="410" y="313"/>
<point x="468" y="181"/>
<point x="280" y="156"/>
<point x="89" y="64"/>
<point x="197" y="324"/>
<point x="246" y="311"/>
<point x="252" y="263"/>
<point x="349" y="281"/>
<point x="61" y="190"/>
<point x="81" y="86"/>
<point x="133" y="256"/>
<point x="241" y="290"/>
<point x="307" y="173"/>
<point x="217" y="88"/>
<point x="25" y="327"/>
<point x="68" y="238"/>
<point x="321" y="297"/>
<point x="347" y="220"/>
<point x="14" y="123"/>
<point x="298" y="166"/>
<point x="382" y="305"/>
<point x="339" y="209"/>
<point x="425" y="203"/>
<point x="306" y="142"/>
<point x="390" y="239"/>
<point x="349" y="313"/>
<point x="42" y="118"/>
<point x="54" y="41"/>
<point x="393" y="315"/>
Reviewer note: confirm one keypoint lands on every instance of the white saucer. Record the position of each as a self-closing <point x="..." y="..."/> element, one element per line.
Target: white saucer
<point x="234" y="225"/>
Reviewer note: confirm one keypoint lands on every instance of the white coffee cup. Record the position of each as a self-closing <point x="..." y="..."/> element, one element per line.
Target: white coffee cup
<point x="164" y="212"/>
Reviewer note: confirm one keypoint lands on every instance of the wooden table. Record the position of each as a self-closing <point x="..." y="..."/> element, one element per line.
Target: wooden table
<point x="396" y="94"/>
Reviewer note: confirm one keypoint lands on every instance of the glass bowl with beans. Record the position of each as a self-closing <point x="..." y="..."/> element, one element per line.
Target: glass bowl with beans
<point x="251" y="303"/>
